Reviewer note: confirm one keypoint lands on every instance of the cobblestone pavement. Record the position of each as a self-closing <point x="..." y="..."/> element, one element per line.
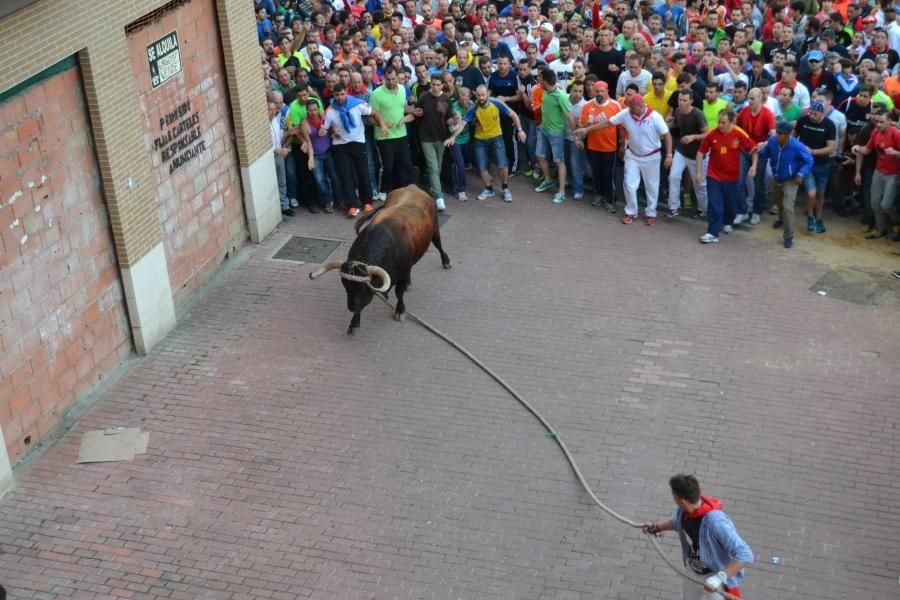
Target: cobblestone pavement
<point x="289" y="460"/>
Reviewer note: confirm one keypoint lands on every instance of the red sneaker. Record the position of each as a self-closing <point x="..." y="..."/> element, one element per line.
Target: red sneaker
<point x="352" y="212"/>
<point x="368" y="208"/>
<point x="628" y="219"/>
<point x="651" y="220"/>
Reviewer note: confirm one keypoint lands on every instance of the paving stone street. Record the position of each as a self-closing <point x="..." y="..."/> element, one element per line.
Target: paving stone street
<point x="290" y="460"/>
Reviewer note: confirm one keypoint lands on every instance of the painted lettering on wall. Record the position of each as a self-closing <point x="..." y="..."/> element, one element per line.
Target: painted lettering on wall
<point x="180" y="141"/>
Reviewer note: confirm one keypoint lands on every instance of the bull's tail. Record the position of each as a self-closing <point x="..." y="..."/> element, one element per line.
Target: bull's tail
<point x="362" y="222"/>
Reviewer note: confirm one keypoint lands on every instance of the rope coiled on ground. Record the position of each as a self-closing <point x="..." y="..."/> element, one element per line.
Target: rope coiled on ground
<point x="552" y="433"/>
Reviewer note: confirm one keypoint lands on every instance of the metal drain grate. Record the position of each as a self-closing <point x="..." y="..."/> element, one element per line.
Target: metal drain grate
<point x="306" y="250"/>
<point x="850" y="285"/>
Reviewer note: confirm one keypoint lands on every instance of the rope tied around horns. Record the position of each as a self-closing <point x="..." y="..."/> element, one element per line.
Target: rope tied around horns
<point x="556" y="436"/>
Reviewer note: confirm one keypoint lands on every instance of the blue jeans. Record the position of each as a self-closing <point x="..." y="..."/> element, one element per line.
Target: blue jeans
<point x="722" y="203"/>
<point x="282" y="182"/>
<point x="461" y="154"/>
<point x="371" y="158"/>
<point x="485" y="149"/>
<point x="759" y="187"/>
<point x="551" y="146"/>
<point x="325" y="174"/>
<point x="290" y="175"/>
<point x="575" y="165"/>
<point x="817" y="179"/>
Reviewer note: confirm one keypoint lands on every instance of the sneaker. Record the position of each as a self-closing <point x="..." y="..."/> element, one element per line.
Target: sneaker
<point x="462" y="197"/>
<point x="867" y="228"/>
<point x="536" y="174"/>
<point x="598" y="201"/>
<point x="728" y="229"/>
<point x="738" y="219"/>
<point x="810" y="223"/>
<point x="380" y="196"/>
<point x="544" y="186"/>
<point x="700" y="214"/>
<point x="674" y="212"/>
<point x="329" y="208"/>
<point x="778" y="224"/>
<point x="755" y="219"/>
<point x="507" y="195"/>
<point x="820" y="226"/>
<point x="577" y="196"/>
<point x="439" y="203"/>
<point x="708" y="238"/>
<point x="368" y="207"/>
<point x="485" y="194"/>
<point x="294" y="203"/>
<point x="773" y="210"/>
<point x="876" y="235"/>
<point x="287" y="212"/>
<point x="352" y="212"/>
<point x="611" y="208"/>
<point x="895" y="274"/>
<point x="559" y="198"/>
<point x="628" y="219"/>
<point x="528" y="173"/>
<point x="312" y="208"/>
<point x="789" y="243"/>
<point x="514" y="173"/>
<point x="650" y="220"/>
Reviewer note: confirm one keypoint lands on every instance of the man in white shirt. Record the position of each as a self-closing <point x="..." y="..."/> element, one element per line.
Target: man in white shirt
<point x="563" y="66"/>
<point x="635" y="74"/>
<point x="645" y="128"/>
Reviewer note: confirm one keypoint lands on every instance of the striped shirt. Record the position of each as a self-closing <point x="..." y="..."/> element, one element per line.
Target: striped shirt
<point x="720" y="544"/>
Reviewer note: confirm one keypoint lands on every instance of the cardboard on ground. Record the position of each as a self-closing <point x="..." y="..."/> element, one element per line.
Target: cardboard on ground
<point x="112" y="445"/>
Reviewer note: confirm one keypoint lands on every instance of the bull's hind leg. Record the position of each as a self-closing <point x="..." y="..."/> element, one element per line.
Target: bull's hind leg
<point x="436" y="240"/>
<point x="400" y="289"/>
<point x="354" y="323"/>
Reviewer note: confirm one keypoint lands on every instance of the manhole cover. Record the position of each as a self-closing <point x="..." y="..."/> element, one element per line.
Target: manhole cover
<point x="851" y="285"/>
<point x="442" y="218"/>
<point x="307" y="250"/>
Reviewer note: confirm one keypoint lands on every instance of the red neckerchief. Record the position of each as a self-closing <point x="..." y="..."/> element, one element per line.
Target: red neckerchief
<point x="523" y="45"/>
<point x="358" y="92"/>
<point x="318" y="124"/>
<point x="641" y="118"/>
<point x="542" y="47"/>
<point x="708" y="505"/>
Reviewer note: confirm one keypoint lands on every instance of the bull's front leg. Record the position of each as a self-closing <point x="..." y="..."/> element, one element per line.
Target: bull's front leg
<point x="354" y="323"/>
<point x="400" y="289"/>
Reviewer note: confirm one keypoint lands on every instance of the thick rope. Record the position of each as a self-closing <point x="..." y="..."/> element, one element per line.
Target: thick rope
<point x="557" y="437"/>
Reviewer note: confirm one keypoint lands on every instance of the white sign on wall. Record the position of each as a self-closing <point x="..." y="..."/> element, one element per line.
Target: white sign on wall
<point x="164" y="58"/>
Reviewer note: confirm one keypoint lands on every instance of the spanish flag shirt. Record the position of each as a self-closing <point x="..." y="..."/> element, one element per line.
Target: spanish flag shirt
<point x="724" y="151"/>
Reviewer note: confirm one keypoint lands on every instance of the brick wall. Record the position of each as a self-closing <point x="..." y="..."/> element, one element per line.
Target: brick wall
<point x="63" y="323"/>
<point x="199" y="203"/>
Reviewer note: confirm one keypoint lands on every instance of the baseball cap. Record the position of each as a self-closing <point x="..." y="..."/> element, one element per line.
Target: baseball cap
<point x="817" y="105"/>
<point x="784" y="127"/>
<point x="547" y="26"/>
<point x="815" y="55"/>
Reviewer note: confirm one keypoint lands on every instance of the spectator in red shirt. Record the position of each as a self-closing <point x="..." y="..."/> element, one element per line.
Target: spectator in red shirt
<point x="724" y="145"/>
<point x="885" y="142"/>
<point x="758" y="122"/>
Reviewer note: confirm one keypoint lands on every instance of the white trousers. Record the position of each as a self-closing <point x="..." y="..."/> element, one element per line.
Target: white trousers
<point x="692" y="591"/>
<point x="679" y="163"/>
<point x="637" y="168"/>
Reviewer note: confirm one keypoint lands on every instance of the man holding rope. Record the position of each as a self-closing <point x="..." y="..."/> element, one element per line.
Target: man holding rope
<point x="710" y="544"/>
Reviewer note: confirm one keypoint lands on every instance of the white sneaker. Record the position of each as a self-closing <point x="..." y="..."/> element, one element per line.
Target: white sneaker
<point x="507" y="195"/>
<point x="740" y="219"/>
<point x="708" y="238"/>
<point x="755" y="219"/>
<point x="577" y="196"/>
<point x="559" y="198"/>
<point x="462" y="197"/>
<point x="485" y="194"/>
<point x="294" y="203"/>
<point x="439" y="202"/>
<point x="381" y="196"/>
<point x="728" y="229"/>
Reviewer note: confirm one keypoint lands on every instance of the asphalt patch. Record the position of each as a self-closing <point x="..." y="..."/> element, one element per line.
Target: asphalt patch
<point x="852" y="285"/>
<point x="306" y="249"/>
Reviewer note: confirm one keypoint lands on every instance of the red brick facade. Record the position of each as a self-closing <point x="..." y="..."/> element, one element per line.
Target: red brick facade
<point x="63" y="323"/>
<point x="200" y="202"/>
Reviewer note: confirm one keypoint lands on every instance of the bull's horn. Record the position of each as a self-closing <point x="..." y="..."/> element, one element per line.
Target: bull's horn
<point x="380" y="274"/>
<point x="325" y="268"/>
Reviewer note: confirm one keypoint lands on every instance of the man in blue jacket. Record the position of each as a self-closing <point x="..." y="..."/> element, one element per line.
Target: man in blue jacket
<point x="791" y="161"/>
<point x="710" y="544"/>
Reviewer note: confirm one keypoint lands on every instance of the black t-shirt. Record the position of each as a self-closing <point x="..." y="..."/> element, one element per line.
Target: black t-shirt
<point x="598" y="64"/>
<point x="523" y="108"/>
<point x="856" y="114"/>
<point x="688" y="124"/>
<point x="692" y="528"/>
<point x="433" y="123"/>
<point x="469" y="77"/>
<point x="697" y="101"/>
<point x="503" y="85"/>
<point x="815" y="135"/>
<point x="892" y="56"/>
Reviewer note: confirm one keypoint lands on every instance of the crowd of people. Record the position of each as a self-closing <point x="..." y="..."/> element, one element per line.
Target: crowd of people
<point x="740" y="105"/>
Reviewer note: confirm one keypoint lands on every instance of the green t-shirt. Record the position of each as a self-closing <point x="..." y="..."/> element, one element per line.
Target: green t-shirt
<point x="297" y="114"/>
<point x="711" y="112"/>
<point x="791" y="114"/>
<point x="881" y="97"/>
<point x="463" y="138"/>
<point x="554" y="108"/>
<point x="390" y="106"/>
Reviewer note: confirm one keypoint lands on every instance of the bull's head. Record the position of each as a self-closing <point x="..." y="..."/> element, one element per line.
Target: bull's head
<point x="359" y="280"/>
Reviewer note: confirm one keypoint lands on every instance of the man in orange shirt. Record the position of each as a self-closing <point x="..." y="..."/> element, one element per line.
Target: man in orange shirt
<point x="601" y="144"/>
